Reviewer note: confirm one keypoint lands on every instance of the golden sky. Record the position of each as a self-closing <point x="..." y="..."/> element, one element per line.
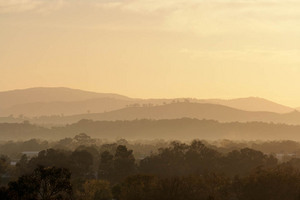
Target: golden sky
<point x="154" y="48"/>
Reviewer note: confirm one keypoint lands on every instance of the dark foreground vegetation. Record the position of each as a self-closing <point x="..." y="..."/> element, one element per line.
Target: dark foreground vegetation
<point x="177" y="171"/>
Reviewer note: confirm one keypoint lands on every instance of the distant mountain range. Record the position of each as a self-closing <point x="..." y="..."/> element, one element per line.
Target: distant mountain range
<point x="174" y="111"/>
<point x="47" y="94"/>
<point x="251" y="104"/>
<point x="54" y="113"/>
<point x="65" y="101"/>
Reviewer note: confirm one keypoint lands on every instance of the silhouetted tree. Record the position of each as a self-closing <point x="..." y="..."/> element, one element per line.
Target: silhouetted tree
<point x="279" y="183"/>
<point x="81" y="163"/>
<point x="96" y="190"/>
<point x="242" y="162"/>
<point x="140" y="187"/>
<point x="4" y="164"/>
<point x="106" y="166"/>
<point x="124" y="163"/>
<point x="44" y="183"/>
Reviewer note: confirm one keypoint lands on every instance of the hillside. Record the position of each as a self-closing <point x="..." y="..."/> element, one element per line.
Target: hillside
<point x="67" y="108"/>
<point x="252" y="104"/>
<point x="47" y="94"/>
<point x="175" y="111"/>
<point x="65" y="101"/>
<point x="183" y="129"/>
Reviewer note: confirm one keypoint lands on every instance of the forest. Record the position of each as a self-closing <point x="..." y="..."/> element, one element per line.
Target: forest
<point x="85" y="168"/>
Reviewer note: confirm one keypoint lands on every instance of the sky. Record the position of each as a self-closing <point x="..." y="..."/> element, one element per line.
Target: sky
<point x="154" y="48"/>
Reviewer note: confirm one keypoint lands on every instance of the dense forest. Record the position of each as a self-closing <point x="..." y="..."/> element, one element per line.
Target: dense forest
<point x="87" y="168"/>
<point x="142" y="148"/>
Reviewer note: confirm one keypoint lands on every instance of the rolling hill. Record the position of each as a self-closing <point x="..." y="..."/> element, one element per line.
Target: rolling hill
<point x="66" y="108"/>
<point x="175" y="111"/>
<point x="48" y="94"/>
<point x="65" y="101"/>
<point x="252" y="104"/>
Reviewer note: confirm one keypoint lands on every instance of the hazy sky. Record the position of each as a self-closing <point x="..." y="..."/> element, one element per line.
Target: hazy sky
<point x="154" y="48"/>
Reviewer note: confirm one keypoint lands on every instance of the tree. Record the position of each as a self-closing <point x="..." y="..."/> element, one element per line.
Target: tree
<point x="139" y="187"/>
<point x="95" y="155"/>
<point x="22" y="166"/>
<point x="181" y="159"/>
<point x="25" y="188"/>
<point x="97" y="190"/>
<point x="82" y="162"/>
<point x="49" y="183"/>
<point x="244" y="161"/>
<point x="201" y="158"/>
<point x="50" y="158"/>
<point x="282" y="182"/>
<point x="83" y="139"/>
<point x="54" y="183"/>
<point x="124" y="163"/>
<point x="117" y="167"/>
<point x="4" y="193"/>
<point x="106" y="166"/>
<point x="4" y="164"/>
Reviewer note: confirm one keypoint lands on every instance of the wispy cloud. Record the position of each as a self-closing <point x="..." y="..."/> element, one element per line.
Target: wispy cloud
<point x="203" y="17"/>
<point x="39" y="6"/>
<point x="214" y="16"/>
<point x="155" y="5"/>
<point x="264" y="55"/>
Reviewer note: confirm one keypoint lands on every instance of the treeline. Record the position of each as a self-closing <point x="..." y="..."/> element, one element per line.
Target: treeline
<point x="182" y="129"/>
<point x="53" y="183"/>
<point x="142" y="148"/>
<point x="179" y="171"/>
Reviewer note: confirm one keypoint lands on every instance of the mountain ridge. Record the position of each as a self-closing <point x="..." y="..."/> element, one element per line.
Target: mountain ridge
<point x="179" y="110"/>
<point x="48" y="94"/>
<point x="46" y="101"/>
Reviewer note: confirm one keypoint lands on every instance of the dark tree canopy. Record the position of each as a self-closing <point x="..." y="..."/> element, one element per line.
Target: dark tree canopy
<point x="49" y="183"/>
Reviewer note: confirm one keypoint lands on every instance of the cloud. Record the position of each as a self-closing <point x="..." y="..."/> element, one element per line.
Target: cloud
<point x="8" y="6"/>
<point x="208" y="17"/>
<point x="225" y="16"/>
<point x="155" y="5"/>
<point x="263" y="55"/>
<point x="39" y="6"/>
<point x="202" y="17"/>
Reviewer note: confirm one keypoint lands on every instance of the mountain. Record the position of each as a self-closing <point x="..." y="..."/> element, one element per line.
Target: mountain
<point x="251" y="104"/>
<point x="48" y="94"/>
<point x="175" y="111"/>
<point x="65" y="101"/>
<point x="66" y="108"/>
<point x="193" y="110"/>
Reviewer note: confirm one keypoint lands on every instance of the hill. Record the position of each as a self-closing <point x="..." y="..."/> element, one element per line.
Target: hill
<point x="47" y="94"/>
<point x="175" y="111"/>
<point x="252" y="104"/>
<point x="66" y="108"/>
<point x="182" y="129"/>
<point x="65" y="101"/>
